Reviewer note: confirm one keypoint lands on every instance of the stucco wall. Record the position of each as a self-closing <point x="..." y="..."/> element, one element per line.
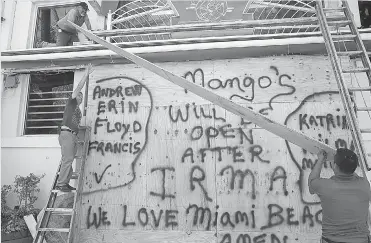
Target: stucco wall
<point x="22" y="154"/>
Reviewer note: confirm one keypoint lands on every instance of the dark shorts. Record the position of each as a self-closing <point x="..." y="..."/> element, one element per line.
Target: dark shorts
<point x="65" y="38"/>
<point x="325" y="240"/>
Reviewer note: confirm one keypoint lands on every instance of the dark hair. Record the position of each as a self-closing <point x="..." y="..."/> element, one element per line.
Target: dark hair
<point x="346" y="160"/>
<point x="84" y="6"/>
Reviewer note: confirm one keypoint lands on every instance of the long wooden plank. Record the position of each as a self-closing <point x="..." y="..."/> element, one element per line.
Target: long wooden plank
<point x="280" y="130"/>
<point x="214" y="26"/>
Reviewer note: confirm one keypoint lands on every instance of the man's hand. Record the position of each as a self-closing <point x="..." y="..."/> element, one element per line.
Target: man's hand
<point x="89" y="69"/>
<point x="316" y="171"/>
<point x="322" y="155"/>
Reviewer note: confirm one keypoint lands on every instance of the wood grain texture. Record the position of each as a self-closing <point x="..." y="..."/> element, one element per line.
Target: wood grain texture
<point x="205" y="174"/>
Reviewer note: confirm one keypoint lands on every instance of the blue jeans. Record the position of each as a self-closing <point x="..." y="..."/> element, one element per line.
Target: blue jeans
<point x="68" y="142"/>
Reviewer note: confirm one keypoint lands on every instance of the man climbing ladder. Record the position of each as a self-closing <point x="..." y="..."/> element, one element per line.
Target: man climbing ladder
<point x="68" y="134"/>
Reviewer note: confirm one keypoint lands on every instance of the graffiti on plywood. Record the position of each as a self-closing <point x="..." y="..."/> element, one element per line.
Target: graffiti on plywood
<point x="120" y="131"/>
<point x="205" y="169"/>
<point x="322" y="116"/>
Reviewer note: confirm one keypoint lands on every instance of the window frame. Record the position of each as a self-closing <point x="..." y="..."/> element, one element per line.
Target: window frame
<point x="22" y="117"/>
<point x="36" y="4"/>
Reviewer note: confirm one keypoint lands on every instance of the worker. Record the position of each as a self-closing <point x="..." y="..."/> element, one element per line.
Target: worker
<point x="344" y="198"/>
<point x="68" y="134"/>
<point x="67" y="33"/>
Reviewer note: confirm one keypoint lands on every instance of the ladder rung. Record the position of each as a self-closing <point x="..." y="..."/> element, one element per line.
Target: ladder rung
<point x="363" y="108"/>
<point x="356" y="70"/>
<point x="333" y="9"/>
<point x="349" y="53"/>
<point x="55" y="229"/>
<point x="343" y="37"/>
<point x="353" y="89"/>
<point x="339" y="22"/>
<point x="366" y="130"/>
<point x="58" y="191"/>
<point x="61" y="211"/>
<point x="75" y="175"/>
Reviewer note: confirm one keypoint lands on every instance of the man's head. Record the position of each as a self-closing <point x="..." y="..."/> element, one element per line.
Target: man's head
<point x="345" y="161"/>
<point x="79" y="98"/>
<point x="82" y="8"/>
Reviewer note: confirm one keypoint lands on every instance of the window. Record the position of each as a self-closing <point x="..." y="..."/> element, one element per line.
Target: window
<point x="365" y="13"/>
<point x="46" y="25"/>
<point x="47" y="95"/>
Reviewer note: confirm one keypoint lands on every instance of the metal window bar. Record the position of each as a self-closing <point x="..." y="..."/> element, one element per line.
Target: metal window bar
<point x="144" y="15"/>
<point x="47" y="96"/>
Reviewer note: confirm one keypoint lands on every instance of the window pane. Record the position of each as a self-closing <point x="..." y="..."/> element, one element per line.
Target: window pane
<point x="48" y="94"/>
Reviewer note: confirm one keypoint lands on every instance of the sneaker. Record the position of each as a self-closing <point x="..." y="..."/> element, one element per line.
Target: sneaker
<point x="63" y="188"/>
<point x="70" y="187"/>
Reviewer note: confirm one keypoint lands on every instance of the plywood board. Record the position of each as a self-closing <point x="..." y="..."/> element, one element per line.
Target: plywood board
<point x="201" y="173"/>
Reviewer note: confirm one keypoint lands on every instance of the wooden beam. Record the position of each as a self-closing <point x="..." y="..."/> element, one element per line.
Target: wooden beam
<point x="211" y="26"/>
<point x="96" y="6"/>
<point x="215" y="26"/>
<point x="365" y="34"/>
<point x="43" y="69"/>
<point x="280" y="130"/>
<point x="175" y="41"/>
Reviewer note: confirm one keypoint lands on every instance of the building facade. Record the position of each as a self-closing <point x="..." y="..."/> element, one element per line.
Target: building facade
<point x="165" y="165"/>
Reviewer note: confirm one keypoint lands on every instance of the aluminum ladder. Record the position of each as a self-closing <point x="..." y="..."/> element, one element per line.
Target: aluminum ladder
<point x="334" y="55"/>
<point x="42" y="226"/>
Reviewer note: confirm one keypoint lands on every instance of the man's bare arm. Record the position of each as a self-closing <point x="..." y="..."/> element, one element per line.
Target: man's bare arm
<point x="316" y="171"/>
<point x="82" y="82"/>
<point x="87" y="22"/>
<point x="71" y="16"/>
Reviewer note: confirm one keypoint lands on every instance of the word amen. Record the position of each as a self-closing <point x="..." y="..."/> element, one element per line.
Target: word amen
<point x="261" y="238"/>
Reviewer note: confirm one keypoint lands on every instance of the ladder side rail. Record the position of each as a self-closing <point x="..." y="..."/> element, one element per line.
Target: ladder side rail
<point x="46" y="215"/>
<point x="79" y="186"/>
<point x="365" y="59"/>
<point x="342" y="88"/>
